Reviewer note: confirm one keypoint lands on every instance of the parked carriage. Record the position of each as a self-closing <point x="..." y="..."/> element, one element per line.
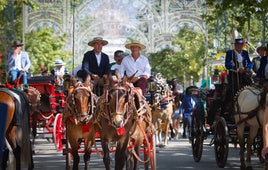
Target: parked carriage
<point x="223" y="126"/>
<point x="46" y="122"/>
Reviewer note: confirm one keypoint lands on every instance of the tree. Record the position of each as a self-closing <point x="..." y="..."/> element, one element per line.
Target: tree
<point x="44" y="47"/>
<point x="187" y="62"/>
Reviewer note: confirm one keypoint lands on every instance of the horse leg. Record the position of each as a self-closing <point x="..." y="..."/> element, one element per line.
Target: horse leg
<point x="252" y="134"/>
<point x="120" y="154"/>
<point x="17" y="153"/>
<point x="87" y="154"/>
<point x="106" y="154"/>
<point x="76" y="158"/>
<point x="166" y="126"/>
<point x="5" y="157"/>
<point x="240" y="133"/>
<point x="175" y="125"/>
<point x="137" y="150"/>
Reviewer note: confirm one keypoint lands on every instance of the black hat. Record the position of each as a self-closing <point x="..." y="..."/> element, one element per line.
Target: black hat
<point x="239" y="41"/>
<point x="17" y="43"/>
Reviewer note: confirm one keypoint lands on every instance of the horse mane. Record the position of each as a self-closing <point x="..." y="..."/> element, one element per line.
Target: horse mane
<point x="245" y="88"/>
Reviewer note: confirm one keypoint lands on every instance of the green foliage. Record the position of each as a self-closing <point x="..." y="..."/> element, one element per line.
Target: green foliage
<point x="44" y="47"/>
<point x="187" y="62"/>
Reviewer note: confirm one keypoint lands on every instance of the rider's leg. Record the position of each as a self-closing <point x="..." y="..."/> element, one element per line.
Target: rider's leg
<point x="14" y="75"/>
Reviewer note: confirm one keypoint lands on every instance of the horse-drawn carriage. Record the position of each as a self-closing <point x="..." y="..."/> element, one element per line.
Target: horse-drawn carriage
<point x="119" y="118"/>
<point x="231" y="119"/>
<point x="46" y="118"/>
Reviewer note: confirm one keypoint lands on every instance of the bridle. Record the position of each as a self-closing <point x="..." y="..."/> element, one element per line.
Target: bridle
<point x="91" y="106"/>
<point x="114" y="91"/>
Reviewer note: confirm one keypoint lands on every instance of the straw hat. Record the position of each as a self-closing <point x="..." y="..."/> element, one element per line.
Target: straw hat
<point x="135" y="43"/>
<point x="97" y="39"/>
<point x="59" y="63"/>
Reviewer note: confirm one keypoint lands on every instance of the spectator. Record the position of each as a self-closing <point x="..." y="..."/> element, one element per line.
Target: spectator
<point x="97" y="64"/>
<point x="188" y="104"/>
<point x="19" y="64"/>
<point x="135" y="62"/>
<point x="263" y="61"/>
<point x="59" y="71"/>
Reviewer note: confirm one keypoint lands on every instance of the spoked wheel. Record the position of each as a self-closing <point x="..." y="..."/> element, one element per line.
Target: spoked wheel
<point x="221" y="142"/>
<point x="58" y="132"/>
<point x="149" y="151"/>
<point x="197" y="137"/>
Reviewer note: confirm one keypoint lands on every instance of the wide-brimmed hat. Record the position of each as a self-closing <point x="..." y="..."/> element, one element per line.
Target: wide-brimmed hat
<point x="239" y="41"/>
<point x="59" y="63"/>
<point x="97" y="39"/>
<point x="135" y="43"/>
<point x="17" y="43"/>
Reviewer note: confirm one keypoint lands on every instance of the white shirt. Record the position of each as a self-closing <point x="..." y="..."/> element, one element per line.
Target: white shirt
<point x="18" y="61"/>
<point x="98" y="57"/>
<point x="59" y="72"/>
<point x="130" y="66"/>
<point x="115" y="67"/>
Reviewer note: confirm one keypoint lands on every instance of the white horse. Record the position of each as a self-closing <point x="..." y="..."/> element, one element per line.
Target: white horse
<point x="249" y="111"/>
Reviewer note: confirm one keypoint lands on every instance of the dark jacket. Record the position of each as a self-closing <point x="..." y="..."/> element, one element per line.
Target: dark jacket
<point x="230" y="60"/>
<point x="90" y="65"/>
<point x="261" y="70"/>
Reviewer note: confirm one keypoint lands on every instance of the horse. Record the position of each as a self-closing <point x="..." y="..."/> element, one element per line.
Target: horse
<point x="249" y="105"/>
<point x="34" y="98"/>
<point x="162" y="105"/>
<point x="77" y="117"/>
<point x="122" y="116"/>
<point x="17" y="132"/>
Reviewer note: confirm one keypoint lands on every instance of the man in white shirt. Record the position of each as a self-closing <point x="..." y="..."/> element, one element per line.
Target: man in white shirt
<point x="135" y="62"/>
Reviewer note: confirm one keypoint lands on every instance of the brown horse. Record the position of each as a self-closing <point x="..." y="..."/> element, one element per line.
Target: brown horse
<point x="122" y="115"/>
<point x="80" y="105"/>
<point x="17" y="131"/>
<point x="34" y="98"/>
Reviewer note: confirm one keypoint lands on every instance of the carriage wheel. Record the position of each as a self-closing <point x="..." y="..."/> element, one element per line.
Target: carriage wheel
<point x="221" y="142"/>
<point x="58" y="132"/>
<point x="197" y="137"/>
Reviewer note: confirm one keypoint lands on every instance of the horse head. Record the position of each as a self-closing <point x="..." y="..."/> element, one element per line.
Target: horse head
<point x="82" y="103"/>
<point x="34" y="98"/>
<point x="118" y="99"/>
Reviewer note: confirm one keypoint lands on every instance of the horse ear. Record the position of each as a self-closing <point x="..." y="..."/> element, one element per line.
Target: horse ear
<point x="87" y="80"/>
<point x="73" y="81"/>
<point x="130" y="79"/>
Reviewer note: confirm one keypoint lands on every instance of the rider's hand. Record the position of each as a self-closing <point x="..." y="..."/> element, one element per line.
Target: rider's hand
<point x="95" y="76"/>
<point x="240" y="70"/>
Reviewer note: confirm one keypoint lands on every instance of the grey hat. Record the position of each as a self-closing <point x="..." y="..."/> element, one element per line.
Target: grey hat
<point x="17" y="43"/>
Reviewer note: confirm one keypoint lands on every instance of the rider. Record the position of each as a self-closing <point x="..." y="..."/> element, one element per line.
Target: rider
<point x="190" y="102"/>
<point x="136" y="63"/>
<point x="19" y="63"/>
<point x="97" y="64"/>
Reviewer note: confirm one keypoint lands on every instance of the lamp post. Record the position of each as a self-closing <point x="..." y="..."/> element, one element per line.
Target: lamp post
<point x="73" y="8"/>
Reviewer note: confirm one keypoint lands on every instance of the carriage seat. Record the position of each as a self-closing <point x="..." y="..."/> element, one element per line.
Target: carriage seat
<point x="41" y="79"/>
